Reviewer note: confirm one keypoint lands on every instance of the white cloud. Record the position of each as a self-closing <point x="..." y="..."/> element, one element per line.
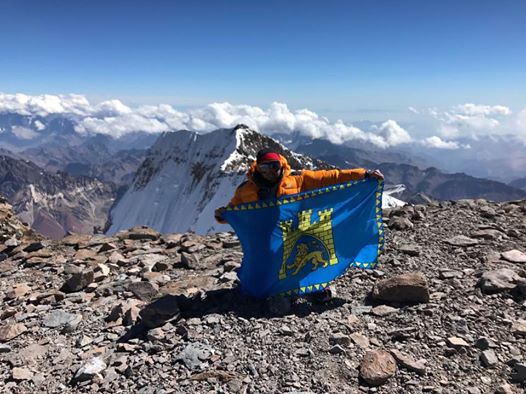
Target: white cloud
<point x="44" y="105"/>
<point x="413" y="110"/>
<point x="439" y="143"/>
<point x="24" y="133"/>
<point x="114" y="118"/>
<point x="393" y="134"/>
<point x="478" y="109"/>
<point x="471" y="120"/>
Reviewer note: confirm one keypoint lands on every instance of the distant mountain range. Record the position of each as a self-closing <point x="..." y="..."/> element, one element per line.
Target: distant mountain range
<point x="62" y="181"/>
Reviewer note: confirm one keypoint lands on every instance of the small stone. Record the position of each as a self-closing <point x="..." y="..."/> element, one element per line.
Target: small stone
<point x="88" y="370"/>
<point x="514" y="256"/>
<point x="194" y="355"/>
<point x="11" y="331"/>
<point x="383" y="310"/>
<point x="485" y="343"/>
<point x="18" y="291"/>
<point x="58" y="318"/>
<point x="407" y="362"/>
<point x="144" y="291"/>
<point x="488" y="358"/>
<point x="519" y="327"/>
<point x="377" y="367"/>
<point x="410" y="249"/>
<point x="79" y="281"/>
<point x="360" y="339"/>
<point x="340" y="339"/>
<point x="504" y="389"/>
<point x="457" y="342"/>
<point x="337" y="349"/>
<point x="4" y="348"/>
<point x="21" y="374"/>
<point x="462" y="241"/>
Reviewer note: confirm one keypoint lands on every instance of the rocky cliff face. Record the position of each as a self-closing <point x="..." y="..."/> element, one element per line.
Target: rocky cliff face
<point x="54" y="204"/>
<point x="144" y="312"/>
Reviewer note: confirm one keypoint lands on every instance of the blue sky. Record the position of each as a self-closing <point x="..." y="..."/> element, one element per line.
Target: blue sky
<point x="353" y="60"/>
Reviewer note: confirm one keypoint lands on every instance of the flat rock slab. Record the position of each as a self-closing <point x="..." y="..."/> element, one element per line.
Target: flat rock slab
<point x="514" y="256"/>
<point x="377" y="367"/>
<point x="11" y="331"/>
<point x="58" y="318"/>
<point x="462" y="241"/>
<point x="418" y="366"/>
<point x="498" y="280"/>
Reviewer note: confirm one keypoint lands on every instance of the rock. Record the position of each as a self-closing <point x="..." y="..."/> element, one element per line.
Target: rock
<point x="377" y="367"/>
<point x="519" y="327"/>
<point x="489" y="358"/>
<point x="143" y="233"/>
<point x="189" y="260"/>
<point x="4" y="348"/>
<point x="18" y="291"/>
<point x="340" y="339"/>
<point x="485" y="343"/>
<point x="79" y="281"/>
<point x="408" y="363"/>
<point x="488" y="233"/>
<point x="21" y="374"/>
<point x="504" y="389"/>
<point x="457" y="342"/>
<point x="514" y="256"/>
<point x="498" y="280"/>
<point x="11" y="331"/>
<point x="383" y="310"/>
<point x="58" y="318"/>
<point x="159" y="312"/>
<point x="89" y="369"/>
<point x="360" y="339"/>
<point x="408" y="288"/>
<point x="400" y="223"/>
<point x="144" y="291"/>
<point x="194" y="355"/>
<point x="410" y="249"/>
<point x="462" y="241"/>
<point x="519" y="373"/>
<point x="337" y="349"/>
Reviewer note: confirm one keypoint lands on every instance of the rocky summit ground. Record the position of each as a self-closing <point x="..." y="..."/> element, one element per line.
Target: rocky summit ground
<point x="141" y="312"/>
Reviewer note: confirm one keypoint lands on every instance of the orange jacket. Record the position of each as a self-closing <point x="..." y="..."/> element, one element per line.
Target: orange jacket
<point x="292" y="184"/>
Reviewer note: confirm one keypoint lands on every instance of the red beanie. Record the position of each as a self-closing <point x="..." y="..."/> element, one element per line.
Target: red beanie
<point x="270" y="156"/>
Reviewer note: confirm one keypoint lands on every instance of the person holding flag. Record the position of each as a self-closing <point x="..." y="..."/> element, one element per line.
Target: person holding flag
<point x="270" y="178"/>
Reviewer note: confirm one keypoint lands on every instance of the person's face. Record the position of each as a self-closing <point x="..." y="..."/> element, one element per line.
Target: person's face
<point x="270" y="170"/>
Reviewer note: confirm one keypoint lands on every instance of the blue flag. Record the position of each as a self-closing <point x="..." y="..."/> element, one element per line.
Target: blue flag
<point x="299" y="243"/>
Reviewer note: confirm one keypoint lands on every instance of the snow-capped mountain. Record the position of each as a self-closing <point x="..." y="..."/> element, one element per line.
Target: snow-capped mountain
<point x="186" y="176"/>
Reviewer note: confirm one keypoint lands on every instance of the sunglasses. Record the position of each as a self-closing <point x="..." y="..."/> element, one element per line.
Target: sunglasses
<point x="269" y="165"/>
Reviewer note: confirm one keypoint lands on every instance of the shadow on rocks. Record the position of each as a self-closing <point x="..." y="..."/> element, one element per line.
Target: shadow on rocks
<point x="170" y="308"/>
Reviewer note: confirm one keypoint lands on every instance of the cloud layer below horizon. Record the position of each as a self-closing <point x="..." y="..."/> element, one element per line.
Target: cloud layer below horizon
<point x="114" y="118"/>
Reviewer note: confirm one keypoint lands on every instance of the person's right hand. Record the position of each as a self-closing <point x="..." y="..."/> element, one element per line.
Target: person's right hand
<point x="219" y="214"/>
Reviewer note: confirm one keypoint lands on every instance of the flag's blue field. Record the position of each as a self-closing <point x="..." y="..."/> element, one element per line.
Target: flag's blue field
<point x="300" y="243"/>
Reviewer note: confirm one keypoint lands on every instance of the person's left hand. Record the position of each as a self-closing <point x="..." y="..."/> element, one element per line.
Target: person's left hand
<point x="376" y="174"/>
